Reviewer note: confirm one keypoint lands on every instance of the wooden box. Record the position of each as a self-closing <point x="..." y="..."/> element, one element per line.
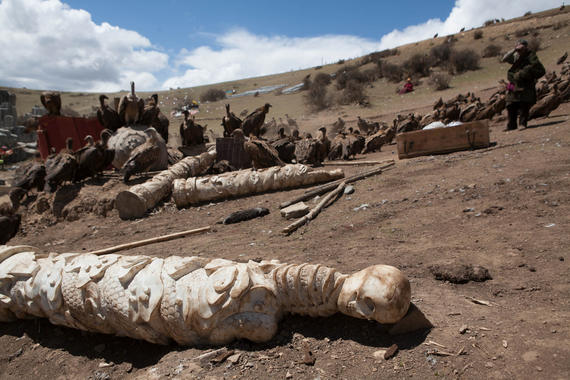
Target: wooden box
<point x="443" y="140"/>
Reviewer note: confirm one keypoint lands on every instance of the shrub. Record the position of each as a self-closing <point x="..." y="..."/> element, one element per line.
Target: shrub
<point x="464" y="60"/>
<point x="322" y="79"/>
<point x="527" y="13"/>
<point x="478" y="35"/>
<point x="491" y="51"/>
<point x="317" y="98"/>
<point x="348" y="73"/>
<point x="392" y="72"/>
<point x="212" y="95"/>
<point x="489" y="23"/>
<point x="340" y="62"/>
<point x="419" y="64"/>
<point x="318" y="67"/>
<point x="439" y="81"/>
<point x="441" y="53"/>
<point x="523" y="32"/>
<point x="370" y="74"/>
<point x="534" y="44"/>
<point x="353" y="93"/>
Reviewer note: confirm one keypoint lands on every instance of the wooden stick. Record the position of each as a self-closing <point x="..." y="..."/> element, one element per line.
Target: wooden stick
<point x="153" y="240"/>
<point x="314" y="212"/>
<point x="331" y="185"/>
<point x="355" y="163"/>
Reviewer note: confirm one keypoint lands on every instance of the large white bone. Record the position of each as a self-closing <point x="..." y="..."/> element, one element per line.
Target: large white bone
<point x="188" y="299"/>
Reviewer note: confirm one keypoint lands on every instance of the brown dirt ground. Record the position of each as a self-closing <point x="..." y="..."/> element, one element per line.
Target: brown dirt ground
<point x="505" y="208"/>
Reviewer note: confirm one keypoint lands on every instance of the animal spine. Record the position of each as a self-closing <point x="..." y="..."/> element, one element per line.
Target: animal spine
<point x="188" y="299"/>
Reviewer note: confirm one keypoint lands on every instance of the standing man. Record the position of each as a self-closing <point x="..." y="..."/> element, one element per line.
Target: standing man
<point x="523" y="74"/>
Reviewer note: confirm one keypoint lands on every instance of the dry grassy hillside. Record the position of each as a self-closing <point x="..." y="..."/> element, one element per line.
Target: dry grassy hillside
<point x="551" y="28"/>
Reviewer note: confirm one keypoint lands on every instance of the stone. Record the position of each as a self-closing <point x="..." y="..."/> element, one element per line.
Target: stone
<point x="463" y="329"/>
<point x="294" y="211"/>
<point x="349" y="189"/>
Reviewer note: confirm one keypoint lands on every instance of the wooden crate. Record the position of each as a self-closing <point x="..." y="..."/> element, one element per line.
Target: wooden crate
<point x="443" y="140"/>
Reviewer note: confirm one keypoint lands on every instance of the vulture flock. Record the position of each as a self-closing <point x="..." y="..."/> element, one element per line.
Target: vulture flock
<point x="277" y="143"/>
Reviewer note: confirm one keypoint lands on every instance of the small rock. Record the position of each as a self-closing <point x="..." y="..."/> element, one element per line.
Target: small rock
<point x="288" y="375"/>
<point x="470" y="209"/>
<point x="489" y="365"/>
<point x="505" y="344"/>
<point x="463" y="329"/>
<point x="539" y="369"/>
<point x="233" y="359"/>
<point x="105" y="365"/>
<point x="297" y="210"/>
<point x="349" y="189"/>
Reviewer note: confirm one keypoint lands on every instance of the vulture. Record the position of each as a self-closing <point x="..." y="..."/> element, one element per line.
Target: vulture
<point x="108" y="117"/>
<point x="190" y="132"/>
<point x="92" y="159"/>
<point x="9" y="226"/>
<point x="131" y="107"/>
<point x="324" y="144"/>
<point x="33" y="177"/>
<point x="335" y="152"/>
<point x="285" y="147"/>
<point x="262" y="154"/>
<point x="354" y="144"/>
<point x="367" y="127"/>
<point x="230" y="122"/>
<point x="435" y="35"/>
<point x="562" y="59"/>
<point x="152" y="117"/>
<point x="337" y="126"/>
<point x="61" y="167"/>
<point x="52" y="102"/>
<point x="254" y="121"/>
<point x="144" y="156"/>
<point x="375" y="141"/>
<point x="292" y="122"/>
<point x="546" y="105"/>
<point x="307" y="151"/>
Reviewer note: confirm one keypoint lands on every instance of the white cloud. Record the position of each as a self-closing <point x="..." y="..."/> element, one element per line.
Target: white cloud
<point x="241" y="54"/>
<point x="48" y="45"/>
<point x="465" y="13"/>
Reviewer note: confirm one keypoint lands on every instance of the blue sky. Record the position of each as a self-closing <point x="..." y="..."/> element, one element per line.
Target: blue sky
<point x="100" y="46"/>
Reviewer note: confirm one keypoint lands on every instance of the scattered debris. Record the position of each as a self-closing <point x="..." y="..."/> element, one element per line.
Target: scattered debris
<point x="460" y="273"/>
<point x="308" y="357"/>
<point x="478" y="302"/>
<point x="222" y="357"/>
<point x="463" y="329"/>
<point x="363" y="206"/>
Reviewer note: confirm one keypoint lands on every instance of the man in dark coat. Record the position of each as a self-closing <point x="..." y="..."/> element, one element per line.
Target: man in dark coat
<point x="523" y="74"/>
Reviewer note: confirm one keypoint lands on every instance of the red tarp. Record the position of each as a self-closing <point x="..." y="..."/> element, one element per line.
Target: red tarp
<point x="54" y="130"/>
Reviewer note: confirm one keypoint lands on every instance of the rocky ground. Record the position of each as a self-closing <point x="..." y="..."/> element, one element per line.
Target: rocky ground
<point x="504" y="208"/>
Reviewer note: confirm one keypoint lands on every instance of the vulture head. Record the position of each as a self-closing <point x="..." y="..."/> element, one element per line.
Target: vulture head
<point x="237" y="134"/>
<point x="266" y="107"/>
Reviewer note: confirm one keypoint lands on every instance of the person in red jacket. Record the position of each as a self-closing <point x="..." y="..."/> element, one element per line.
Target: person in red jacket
<point x="408" y="87"/>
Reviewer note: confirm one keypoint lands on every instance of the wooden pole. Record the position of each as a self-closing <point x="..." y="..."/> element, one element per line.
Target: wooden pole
<point x="153" y="240"/>
<point x="314" y="212"/>
<point x="331" y="185"/>
<point x="355" y="163"/>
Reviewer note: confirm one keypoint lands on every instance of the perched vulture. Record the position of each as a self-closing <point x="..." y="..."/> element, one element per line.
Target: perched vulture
<point x="52" y="102"/>
<point x="375" y="141"/>
<point x="335" y="152"/>
<point x="131" y="107"/>
<point x="367" y="127"/>
<point x="292" y="122"/>
<point x="33" y="177"/>
<point x="337" y="127"/>
<point x="9" y="226"/>
<point x="285" y="147"/>
<point x="546" y="105"/>
<point x="152" y="117"/>
<point x="307" y="151"/>
<point x="61" y="167"/>
<point x="254" y="121"/>
<point x="144" y="156"/>
<point x="230" y="122"/>
<point x="324" y="144"/>
<point x="262" y="154"/>
<point x="108" y="117"/>
<point x="354" y="144"/>
<point x="191" y="133"/>
<point x="92" y="159"/>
